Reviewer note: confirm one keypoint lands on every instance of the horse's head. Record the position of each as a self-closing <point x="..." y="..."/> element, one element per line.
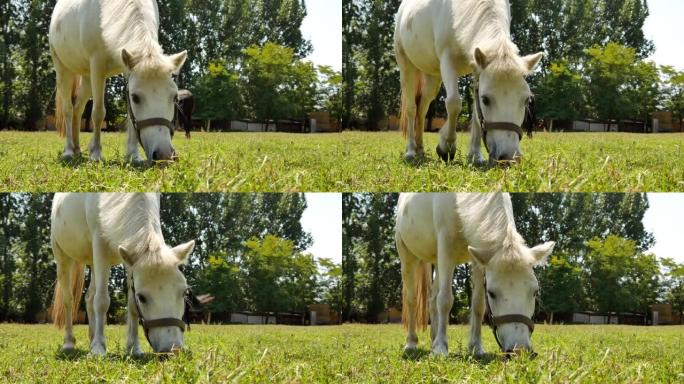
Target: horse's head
<point x="151" y="96"/>
<point x="503" y="97"/>
<point x="159" y="289"/>
<point x="511" y="290"/>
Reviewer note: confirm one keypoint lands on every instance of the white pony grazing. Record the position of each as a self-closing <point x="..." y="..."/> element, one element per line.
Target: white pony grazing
<point x="103" y="230"/>
<point x="438" y="41"/>
<point x="91" y="40"/>
<point x="446" y="229"/>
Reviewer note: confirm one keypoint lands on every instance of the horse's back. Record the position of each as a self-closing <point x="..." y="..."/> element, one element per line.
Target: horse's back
<point x="71" y="227"/>
<point x="425" y="218"/>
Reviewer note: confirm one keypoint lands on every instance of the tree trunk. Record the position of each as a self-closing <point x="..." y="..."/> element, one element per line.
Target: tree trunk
<point x="551" y="318"/>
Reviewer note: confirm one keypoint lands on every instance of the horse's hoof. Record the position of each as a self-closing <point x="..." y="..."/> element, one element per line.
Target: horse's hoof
<point x="410" y="157"/>
<point x="440" y="351"/>
<point x="446" y="156"/>
<point x="476" y="160"/>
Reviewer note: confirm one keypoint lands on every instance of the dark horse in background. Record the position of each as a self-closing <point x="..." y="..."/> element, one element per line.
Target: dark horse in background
<point x="183" y="114"/>
<point x="184" y="108"/>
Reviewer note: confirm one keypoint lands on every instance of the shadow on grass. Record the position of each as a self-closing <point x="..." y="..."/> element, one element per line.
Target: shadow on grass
<point x="77" y="161"/>
<point x="81" y="354"/>
<point x="488" y="358"/>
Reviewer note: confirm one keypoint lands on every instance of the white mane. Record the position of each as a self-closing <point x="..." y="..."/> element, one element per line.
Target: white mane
<point x="486" y="25"/>
<point x="134" y="26"/>
<point x="487" y="223"/>
<point x="131" y="220"/>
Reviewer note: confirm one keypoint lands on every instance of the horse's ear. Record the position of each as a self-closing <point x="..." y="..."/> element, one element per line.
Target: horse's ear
<point x="183" y="251"/>
<point x="532" y="60"/>
<point x="480" y="256"/>
<point x="178" y="60"/>
<point x="129" y="61"/>
<point x="480" y="59"/>
<point x="126" y="256"/>
<point x="542" y="251"/>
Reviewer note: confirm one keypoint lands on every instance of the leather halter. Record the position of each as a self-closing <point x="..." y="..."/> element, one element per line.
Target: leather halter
<point x="166" y="321"/>
<point x="142" y="124"/>
<point x="495" y="321"/>
<point x="491" y="126"/>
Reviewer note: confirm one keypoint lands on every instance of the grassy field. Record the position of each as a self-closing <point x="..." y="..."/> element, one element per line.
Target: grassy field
<point x="349" y="353"/>
<point x="350" y="161"/>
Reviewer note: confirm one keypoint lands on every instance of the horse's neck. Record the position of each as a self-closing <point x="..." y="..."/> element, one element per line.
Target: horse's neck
<point x="132" y="221"/>
<point x="131" y="24"/>
<point x="489" y="27"/>
<point x="488" y="220"/>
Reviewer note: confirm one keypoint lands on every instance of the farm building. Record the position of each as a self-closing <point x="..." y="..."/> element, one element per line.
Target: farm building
<point x="321" y="121"/>
<point x="662" y="314"/>
<point x="321" y="314"/>
<point x="664" y="122"/>
<point x="590" y="317"/>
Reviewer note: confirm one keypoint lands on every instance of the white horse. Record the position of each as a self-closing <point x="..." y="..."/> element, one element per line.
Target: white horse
<point x="438" y="41"/>
<point x="91" y="40"/>
<point x="446" y="229"/>
<point x="103" y="230"/>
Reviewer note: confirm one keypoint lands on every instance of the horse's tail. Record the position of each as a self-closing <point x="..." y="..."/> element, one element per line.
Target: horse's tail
<point x="423" y="280"/>
<point x="403" y="118"/>
<point x="77" y="280"/>
<point x="59" y="114"/>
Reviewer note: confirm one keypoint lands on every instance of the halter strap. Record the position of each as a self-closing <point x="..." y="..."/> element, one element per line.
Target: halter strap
<point x="492" y="126"/>
<point x="166" y="321"/>
<point x="495" y="321"/>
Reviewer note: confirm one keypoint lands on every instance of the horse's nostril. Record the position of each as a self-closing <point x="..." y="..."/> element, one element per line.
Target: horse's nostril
<point x="155" y="155"/>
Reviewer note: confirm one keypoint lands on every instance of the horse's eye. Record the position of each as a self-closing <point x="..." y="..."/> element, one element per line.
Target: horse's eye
<point x="135" y="98"/>
<point x="485" y="100"/>
<point x="491" y="295"/>
<point x="142" y="299"/>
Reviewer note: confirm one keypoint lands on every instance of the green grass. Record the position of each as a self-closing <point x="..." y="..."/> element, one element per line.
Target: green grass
<point x="350" y="161"/>
<point x="348" y="353"/>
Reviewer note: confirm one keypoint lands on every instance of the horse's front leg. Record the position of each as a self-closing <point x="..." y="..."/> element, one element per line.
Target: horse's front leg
<point x="132" y="149"/>
<point x="445" y="298"/>
<point x="132" y="341"/>
<point x="477" y="309"/>
<point x="474" y="153"/>
<point x="446" y="149"/>
<point x="101" y="271"/>
<point x="97" y="81"/>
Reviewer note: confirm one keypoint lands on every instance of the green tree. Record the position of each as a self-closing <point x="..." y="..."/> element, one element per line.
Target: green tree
<point x="620" y="86"/>
<point x="674" y="92"/>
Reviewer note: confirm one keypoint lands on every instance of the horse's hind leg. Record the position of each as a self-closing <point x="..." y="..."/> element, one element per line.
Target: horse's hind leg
<point x="82" y="96"/>
<point x="446" y="149"/>
<point x="409" y="264"/>
<point x="410" y="77"/>
<point x="65" y="79"/>
<point x="477" y="309"/>
<point x="65" y="277"/>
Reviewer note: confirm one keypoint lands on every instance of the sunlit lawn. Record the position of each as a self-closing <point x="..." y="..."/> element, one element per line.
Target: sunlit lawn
<point x="348" y="353"/>
<point x="348" y="161"/>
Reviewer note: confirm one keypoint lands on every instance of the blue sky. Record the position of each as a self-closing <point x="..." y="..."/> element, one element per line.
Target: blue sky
<point x="323" y="219"/>
<point x="663" y="26"/>
<point x="323" y="27"/>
